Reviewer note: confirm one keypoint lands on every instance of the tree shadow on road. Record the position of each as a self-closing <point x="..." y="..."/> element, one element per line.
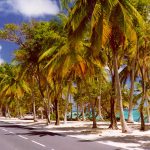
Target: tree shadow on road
<point x="16" y="126"/>
<point x="40" y="133"/>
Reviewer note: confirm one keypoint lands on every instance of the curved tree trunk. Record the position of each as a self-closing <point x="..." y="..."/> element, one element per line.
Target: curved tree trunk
<point x="119" y="95"/>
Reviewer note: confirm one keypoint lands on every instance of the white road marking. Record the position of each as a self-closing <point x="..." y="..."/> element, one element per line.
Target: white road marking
<point x="4" y="130"/>
<point x="22" y="137"/>
<point x="52" y="149"/>
<point x="38" y="143"/>
<point x="11" y="132"/>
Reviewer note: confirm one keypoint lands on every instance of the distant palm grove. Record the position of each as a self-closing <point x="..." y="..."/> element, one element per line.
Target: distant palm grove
<point x="95" y="56"/>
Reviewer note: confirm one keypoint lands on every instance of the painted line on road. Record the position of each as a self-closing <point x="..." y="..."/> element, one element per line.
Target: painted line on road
<point x="4" y="130"/>
<point x="11" y="132"/>
<point x="23" y="137"/>
<point x="38" y="143"/>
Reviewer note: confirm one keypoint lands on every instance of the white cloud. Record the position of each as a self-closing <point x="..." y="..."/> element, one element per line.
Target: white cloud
<point x="30" y="8"/>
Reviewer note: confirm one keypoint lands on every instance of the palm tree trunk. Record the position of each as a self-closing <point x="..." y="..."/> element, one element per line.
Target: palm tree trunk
<point x="130" y="115"/>
<point x="7" y="111"/>
<point x="83" y="115"/>
<point x="142" y="117"/>
<point x="71" y="112"/>
<point x="38" y="78"/>
<point x="19" y="109"/>
<point x="67" y="102"/>
<point x="48" y="104"/>
<point x="1" y="112"/>
<point x="99" y="102"/>
<point x="92" y="105"/>
<point x="46" y="112"/>
<point x="143" y="97"/>
<point x="119" y="95"/>
<point x="148" y="112"/>
<point x="99" y="108"/>
<point x="90" y="100"/>
<point x="77" y="111"/>
<point x="41" y="114"/>
<point x="94" y="117"/>
<point x="57" y="112"/>
<point x="113" y="121"/>
<point x="34" y="110"/>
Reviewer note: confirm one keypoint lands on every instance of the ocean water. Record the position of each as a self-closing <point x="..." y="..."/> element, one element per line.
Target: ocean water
<point x="135" y="112"/>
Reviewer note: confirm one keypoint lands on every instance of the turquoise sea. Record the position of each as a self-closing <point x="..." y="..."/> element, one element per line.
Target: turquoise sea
<point x="135" y="112"/>
<point x="136" y="115"/>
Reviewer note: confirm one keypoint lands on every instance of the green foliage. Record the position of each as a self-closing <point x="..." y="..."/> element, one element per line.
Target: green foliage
<point x="76" y="47"/>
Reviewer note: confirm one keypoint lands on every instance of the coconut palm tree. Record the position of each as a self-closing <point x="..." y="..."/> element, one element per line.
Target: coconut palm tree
<point x="33" y="38"/>
<point x="12" y="84"/>
<point x="143" y="62"/>
<point x="101" y="15"/>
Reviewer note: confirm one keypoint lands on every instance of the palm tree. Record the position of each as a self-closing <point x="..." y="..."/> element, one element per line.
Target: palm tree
<point x="143" y="63"/>
<point x="12" y="84"/>
<point x="97" y="14"/>
<point x="33" y="38"/>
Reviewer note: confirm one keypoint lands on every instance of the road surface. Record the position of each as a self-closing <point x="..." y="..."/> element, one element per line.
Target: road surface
<point x="16" y="137"/>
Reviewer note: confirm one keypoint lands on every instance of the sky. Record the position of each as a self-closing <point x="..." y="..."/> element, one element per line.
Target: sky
<point x="18" y="11"/>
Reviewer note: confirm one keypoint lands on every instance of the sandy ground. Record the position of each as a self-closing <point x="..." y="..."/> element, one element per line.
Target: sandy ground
<point x="136" y="140"/>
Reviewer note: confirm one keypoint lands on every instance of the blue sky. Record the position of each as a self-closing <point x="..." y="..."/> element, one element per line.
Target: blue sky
<point x="18" y="11"/>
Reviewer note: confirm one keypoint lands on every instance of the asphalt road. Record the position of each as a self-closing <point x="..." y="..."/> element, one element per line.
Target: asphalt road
<point x="15" y="137"/>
